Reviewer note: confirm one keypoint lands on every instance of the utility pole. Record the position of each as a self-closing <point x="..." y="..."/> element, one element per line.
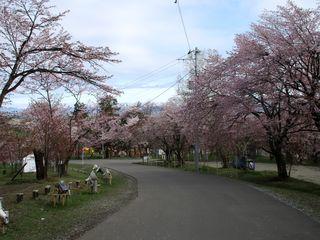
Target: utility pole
<point x="196" y="144"/>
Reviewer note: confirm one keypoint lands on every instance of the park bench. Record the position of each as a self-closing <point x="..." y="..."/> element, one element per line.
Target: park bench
<point x="61" y="194"/>
<point x="59" y="198"/>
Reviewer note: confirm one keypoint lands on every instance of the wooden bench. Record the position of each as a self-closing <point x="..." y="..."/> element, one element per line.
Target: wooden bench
<point x="56" y="197"/>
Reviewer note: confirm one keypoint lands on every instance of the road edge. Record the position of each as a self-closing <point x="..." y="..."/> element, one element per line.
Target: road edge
<point x="119" y="202"/>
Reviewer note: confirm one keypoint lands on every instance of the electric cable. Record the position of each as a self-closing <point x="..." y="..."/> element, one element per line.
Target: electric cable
<point x="166" y="90"/>
<point x="183" y="24"/>
<point x="154" y="72"/>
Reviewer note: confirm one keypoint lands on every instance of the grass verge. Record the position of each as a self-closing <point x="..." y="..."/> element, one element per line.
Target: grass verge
<point x="299" y="194"/>
<point x="37" y="219"/>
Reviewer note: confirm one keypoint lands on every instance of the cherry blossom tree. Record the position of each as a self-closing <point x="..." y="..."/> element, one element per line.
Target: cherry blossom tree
<point x="166" y="131"/>
<point x="48" y="126"/>
<point x="13" y="144"/>
<point x="214" y="114"/>
<point x="288" y="39"/>
<point x="33" y="42"/>
<point x="13" y="135"/>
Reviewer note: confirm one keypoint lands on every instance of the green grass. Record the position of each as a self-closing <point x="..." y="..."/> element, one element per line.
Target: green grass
<point x="37" y="219"/>
<point x="263" y="159"/>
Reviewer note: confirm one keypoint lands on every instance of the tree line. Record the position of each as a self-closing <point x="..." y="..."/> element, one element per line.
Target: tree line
<point x="264" y="94"/>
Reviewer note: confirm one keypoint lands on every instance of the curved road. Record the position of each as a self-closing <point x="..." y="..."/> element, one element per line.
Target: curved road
<point x="181" y="205"/>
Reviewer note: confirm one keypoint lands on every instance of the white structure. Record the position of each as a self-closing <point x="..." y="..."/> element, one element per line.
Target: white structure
<point x="105" y="173"/>
<point x="31" y="164"/>
<point x="162" y="154"/>
<point x="92" y="181"/>
<point x="4" y="215"/>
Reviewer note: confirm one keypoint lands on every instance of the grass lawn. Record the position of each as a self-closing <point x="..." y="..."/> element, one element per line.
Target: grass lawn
<point x="300" y="194"/>
<point x="37" y="219"/>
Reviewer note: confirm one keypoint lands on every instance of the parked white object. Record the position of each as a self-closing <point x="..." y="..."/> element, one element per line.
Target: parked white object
<point x="4" y="215"/>
<point x="145" y="159"/>
<point x="105" y="173"/>
<point x="92" y="181"/>
<point x="31" y="164"/>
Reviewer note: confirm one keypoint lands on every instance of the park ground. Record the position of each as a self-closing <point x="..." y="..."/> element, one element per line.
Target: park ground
<point x="37" y="219"/>
<point x="167" y="203"/>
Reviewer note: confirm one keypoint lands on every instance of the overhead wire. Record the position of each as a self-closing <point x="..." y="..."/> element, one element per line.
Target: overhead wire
<point x="154" y="72"/>
<point x="183" y="24"/>
<point x="166" y="66"/>
<point x="166" y="90"/>
<point x="148" y="78"/>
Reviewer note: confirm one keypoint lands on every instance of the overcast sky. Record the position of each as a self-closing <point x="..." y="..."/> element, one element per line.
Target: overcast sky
<point x="148" y="34"/>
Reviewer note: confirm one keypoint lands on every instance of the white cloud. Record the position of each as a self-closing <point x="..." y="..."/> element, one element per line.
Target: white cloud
<point x="148" y="34"/>
<point x="259" y="6"/>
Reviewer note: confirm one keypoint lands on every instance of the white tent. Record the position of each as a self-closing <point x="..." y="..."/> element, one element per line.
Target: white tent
<point x="31" y="164"/>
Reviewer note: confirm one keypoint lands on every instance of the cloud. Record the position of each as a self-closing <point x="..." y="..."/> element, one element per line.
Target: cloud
<point x="259" y="6"/>
<point x="148" y="34"/>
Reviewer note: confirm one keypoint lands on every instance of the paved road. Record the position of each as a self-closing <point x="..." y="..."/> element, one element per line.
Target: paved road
<point x="182" y="205"/>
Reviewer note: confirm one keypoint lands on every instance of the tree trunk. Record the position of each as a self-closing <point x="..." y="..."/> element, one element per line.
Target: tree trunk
<point x="280" y="160"/>
<point x="106" y="152"/>
<point x="282" y="167"/>
<point x="168" y="156"/>
<point x="45" y="170"/>
<point x="62" y="169"/>
<point x="180" y="158"/>
<point x="40" y="170"/>
<point x="223" y="158"/>
<point x="2" y="96"/>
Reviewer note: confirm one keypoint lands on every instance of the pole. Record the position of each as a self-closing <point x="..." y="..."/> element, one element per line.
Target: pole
<point x="196" y="145"/>
<point x="82" y="157"/>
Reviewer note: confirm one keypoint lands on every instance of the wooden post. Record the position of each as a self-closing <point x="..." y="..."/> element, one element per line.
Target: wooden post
<point x="47" y="189"/>
<point x="64" y="196"/>
<point x="110" y="179"/>
<point x="54" y="199"/>
<point x="19" y="197"/>
<point x="3" y="230"/>
<point x="35" y="194"/>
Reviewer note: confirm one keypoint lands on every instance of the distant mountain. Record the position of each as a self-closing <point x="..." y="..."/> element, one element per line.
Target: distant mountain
<point x="11" y="110"/>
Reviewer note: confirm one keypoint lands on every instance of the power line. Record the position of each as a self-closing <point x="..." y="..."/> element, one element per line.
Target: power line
<point x="147" y="83"/>
<point x="154" y="72"/>
<point x="183" y="24"/>
<point x="148" y="76"/>
<point x="175" y="83"/>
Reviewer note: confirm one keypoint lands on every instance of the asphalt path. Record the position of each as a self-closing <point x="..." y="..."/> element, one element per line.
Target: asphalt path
<point x="181" y="205"/>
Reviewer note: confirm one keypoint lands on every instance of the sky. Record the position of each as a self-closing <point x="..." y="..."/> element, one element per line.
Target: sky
<point x="148" y="34"/>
